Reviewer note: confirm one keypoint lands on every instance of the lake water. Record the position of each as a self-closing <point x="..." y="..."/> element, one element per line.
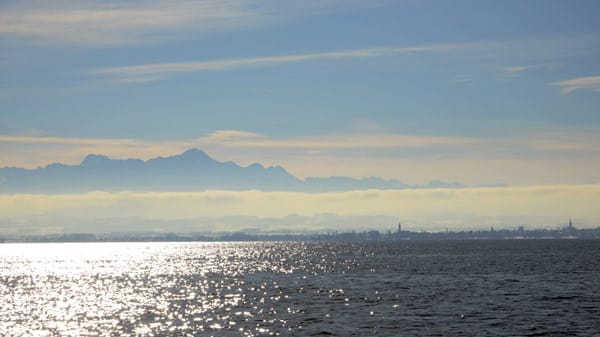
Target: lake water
<point x="446" y="288"/>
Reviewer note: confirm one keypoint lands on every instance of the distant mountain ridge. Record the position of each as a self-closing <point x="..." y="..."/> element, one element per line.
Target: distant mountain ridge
<point x="192" y="170"/>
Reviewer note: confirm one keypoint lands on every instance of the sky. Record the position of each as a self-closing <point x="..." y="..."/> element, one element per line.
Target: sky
<point x="476" y="91"/>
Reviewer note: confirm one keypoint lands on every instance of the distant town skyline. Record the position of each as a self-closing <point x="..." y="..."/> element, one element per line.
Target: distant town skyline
<point x="520" y="232"/>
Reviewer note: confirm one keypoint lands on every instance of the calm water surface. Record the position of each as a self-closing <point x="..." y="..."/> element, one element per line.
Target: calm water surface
<point x="472" y="288"/>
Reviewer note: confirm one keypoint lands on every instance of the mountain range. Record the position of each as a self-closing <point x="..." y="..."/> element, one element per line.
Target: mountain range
<point x="192" y="170"/>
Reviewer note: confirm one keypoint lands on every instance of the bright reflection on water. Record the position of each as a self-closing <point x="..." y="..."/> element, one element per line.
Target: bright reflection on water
<point x="262" y="289"/>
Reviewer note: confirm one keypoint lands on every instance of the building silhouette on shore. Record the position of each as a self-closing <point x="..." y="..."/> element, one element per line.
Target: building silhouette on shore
<point x="567" y="232"/>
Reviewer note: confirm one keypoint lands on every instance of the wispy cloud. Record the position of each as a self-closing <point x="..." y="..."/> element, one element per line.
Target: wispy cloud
<point x="231" y="135"/>
<point x="578" y="141"/>
<point x="39" y="150"/>
<point x="591" y="83"/>
<point x="67" y="140"/>
<point x="514" y="70"/>
<point x="90" y="22"/>
<point x="528" y="50"/>
<point x="33" y="151"/>
<point x="230" y="138"/>
<point x="155" y="71"/>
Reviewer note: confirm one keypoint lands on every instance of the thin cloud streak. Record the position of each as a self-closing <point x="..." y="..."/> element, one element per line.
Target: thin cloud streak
<point x="156" y="71"/>
<point x="579" y="142"/>
<point x="126" y="22"/>
<point x="32" y="152"/>
<point x="70" y="141"/>
<point x="591" y="83"/>
<point x="36" y="151"/>
<point x="526" y="49"/>
<point x="340" y="141"/>
<point x="515" y="69"/>
<point x="97" y="23"/>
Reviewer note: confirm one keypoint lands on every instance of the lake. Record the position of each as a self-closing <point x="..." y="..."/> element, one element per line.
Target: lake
<point x="388" y="288"/>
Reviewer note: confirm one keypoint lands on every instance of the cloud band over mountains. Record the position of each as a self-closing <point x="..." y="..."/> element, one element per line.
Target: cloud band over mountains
<point x="540" y="156"/>
<point x="436" y="209"/>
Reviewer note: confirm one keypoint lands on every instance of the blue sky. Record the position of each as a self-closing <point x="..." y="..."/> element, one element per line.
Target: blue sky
<point x="473" y="91"/>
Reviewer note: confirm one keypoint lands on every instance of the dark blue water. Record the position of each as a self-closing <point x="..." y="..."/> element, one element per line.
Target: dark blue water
<point x="447" y="288"/>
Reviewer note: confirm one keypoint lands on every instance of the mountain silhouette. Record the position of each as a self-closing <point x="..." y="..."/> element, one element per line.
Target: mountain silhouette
<point x="192" y="170"/>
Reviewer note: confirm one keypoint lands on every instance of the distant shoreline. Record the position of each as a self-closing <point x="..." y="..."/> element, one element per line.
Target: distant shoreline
<point x="568" y="232"/>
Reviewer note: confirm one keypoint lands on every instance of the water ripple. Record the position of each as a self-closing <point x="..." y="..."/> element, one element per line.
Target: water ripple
<point x="504" y="288"/>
